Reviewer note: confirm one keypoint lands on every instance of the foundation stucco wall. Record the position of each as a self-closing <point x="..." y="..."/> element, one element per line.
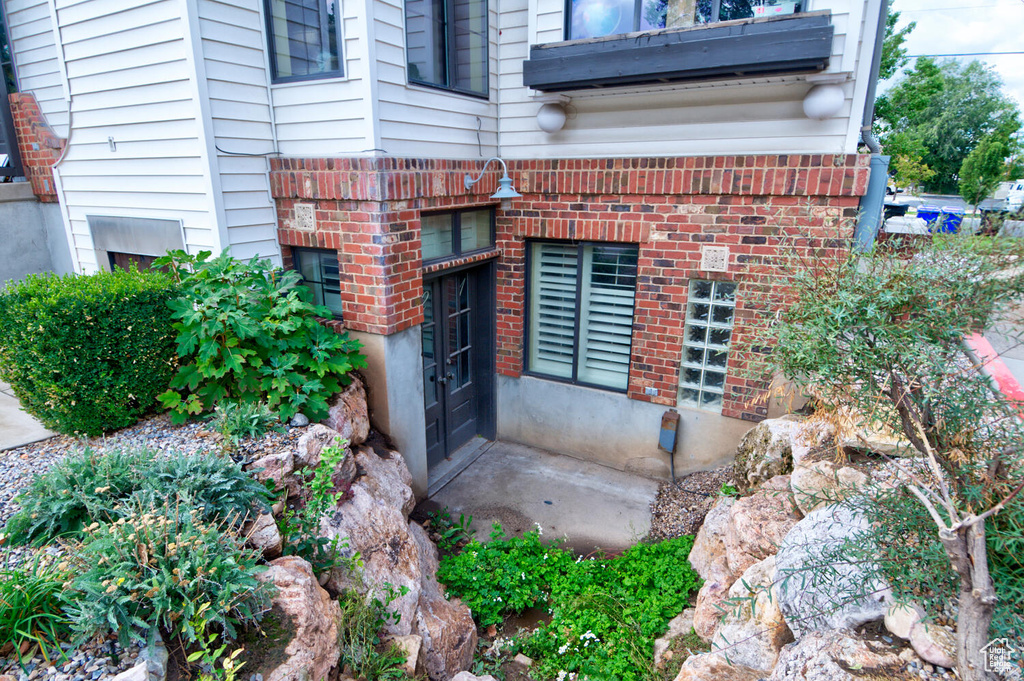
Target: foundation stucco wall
<point x="32" y="237"/>
<point x="610" y="428"/>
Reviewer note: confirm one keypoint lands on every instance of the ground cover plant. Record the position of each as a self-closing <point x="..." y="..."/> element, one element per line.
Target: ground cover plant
<point x="152" y="571"/>
<point x="248" y="332"/>
<point x="606" y="612"/>
<point x="88" y="354"/>
<point x="237" y="421"/>
<point x="87" y="487"/>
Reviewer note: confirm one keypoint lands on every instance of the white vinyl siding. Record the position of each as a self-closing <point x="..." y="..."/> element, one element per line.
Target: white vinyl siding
<point x="236" y="84"/>
<point x="582" y="294"/>
<point x="709" y="319"/>
<point x="37" y="58"/>
<point x="753" y="116"/>
<point x="137" y="148"/>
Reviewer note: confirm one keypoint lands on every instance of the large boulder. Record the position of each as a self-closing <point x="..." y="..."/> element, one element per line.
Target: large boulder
<point x="753" y="631"/>
<point x="709" y="544"/>
<point x="758" y="523"/>
<point x="711" y="667"/>
<point x="710" y="599"/>
<point x="820" y="483"/>
<point x="311" y="618"/>
<point x="446" y="626"/>
<point x="818" y="590"/>
<point x="262" y="534"/>
<point x="836" y="656"/>
<point x="765" y="451"/>
<point x="278" y="468"/>
<point x="312" y="442"/>
<point x="349" y="415"/>
<point x="398" y="556"/>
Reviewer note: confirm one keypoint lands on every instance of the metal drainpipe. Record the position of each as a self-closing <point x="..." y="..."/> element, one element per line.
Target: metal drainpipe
<point x="870" y="209"/>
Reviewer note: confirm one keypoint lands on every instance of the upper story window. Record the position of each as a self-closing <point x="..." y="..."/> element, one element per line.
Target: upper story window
<point x="446" y="44"/>
<point x="597" y="18"/>
<point x="6" y="57"/>
<point x="449" y="235"/>
<point x="580" y="308"/>
<point x="304" y="39"/>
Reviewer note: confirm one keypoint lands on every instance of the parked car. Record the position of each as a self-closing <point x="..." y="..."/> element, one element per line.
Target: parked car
<point x="1014" y="200"/>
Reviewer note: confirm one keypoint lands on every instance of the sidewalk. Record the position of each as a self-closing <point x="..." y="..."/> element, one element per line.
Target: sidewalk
<point x="17" y="428"/>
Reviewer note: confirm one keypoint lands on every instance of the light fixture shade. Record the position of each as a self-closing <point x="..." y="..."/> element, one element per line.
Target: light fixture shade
<point x="505" y="189"/>
<point x="824" y="101"/>
<point x="551" y="117"/>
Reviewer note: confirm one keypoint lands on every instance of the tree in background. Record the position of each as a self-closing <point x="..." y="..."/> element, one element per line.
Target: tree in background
<point x="894" y="54"/>
<point x="879" y="340"/>
<point x="948" y="108"/>
<point x="986" y="166"/>
<point x="907" y="163"/>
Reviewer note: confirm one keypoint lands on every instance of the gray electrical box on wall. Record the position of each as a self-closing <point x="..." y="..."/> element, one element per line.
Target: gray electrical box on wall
<point x="667" y="437"/>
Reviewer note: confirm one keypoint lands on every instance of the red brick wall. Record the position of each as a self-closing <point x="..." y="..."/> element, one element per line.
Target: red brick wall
<point x="39" y="145"/>
<point x="368" y="210"/>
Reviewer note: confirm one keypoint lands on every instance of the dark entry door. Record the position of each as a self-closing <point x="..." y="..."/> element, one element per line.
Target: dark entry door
<point x="457" y="355"/>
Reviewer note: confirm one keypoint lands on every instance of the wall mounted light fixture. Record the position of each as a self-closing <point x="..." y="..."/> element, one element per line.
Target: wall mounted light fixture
<point x="505" y="188"/>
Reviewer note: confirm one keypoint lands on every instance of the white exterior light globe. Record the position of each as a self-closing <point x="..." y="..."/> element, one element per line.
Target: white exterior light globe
<point x="551" y="117"/>
<point x="823" y="101"/>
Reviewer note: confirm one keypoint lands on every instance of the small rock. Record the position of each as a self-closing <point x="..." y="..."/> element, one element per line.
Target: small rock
<point x="708" y="667"/>
<point x="299" y="421"/>
<point x="410" y="646"/>
<point x="466" y="676"/>
<point x="523" y="660"/>
<point x="934" y="643"/>
<point x="901" y="617"/>
<point x="262" y="534"/>
<point x="139" y="672"/>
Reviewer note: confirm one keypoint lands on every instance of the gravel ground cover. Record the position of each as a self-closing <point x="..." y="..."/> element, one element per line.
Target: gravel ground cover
<point x="680" y="507"/>
<point x="103" y="659"/>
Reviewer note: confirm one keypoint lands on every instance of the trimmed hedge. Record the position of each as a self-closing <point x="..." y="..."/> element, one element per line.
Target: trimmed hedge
<point x="88" y="354"/>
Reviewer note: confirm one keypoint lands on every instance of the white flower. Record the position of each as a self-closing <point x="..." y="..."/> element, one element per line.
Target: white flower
<point x="539" y="530"/>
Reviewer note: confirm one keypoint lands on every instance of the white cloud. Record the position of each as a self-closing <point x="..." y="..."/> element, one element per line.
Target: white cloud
<point x="958" y="26"/>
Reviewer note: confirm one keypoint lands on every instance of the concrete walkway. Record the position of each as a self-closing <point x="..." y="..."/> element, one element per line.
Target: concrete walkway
<point x="17" y="428"/>
<point x="592" y="506"/>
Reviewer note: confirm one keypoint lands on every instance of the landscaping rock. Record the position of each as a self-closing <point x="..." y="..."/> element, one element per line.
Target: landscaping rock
<point x="411" y="646"/>
<point x="313" y="650"/>
<point x="758" y="523"/>
<point x="139" y="672"/>
<point x="753" y="636"/>
<point x="765" y="451"/>
<point x="845" y="596"/>
<point x="387" y="479"/>
<point x="262" y="534"/>
<point x="466" y="676"/>
<point x="711" y="667"/>
<point x="901" y="617"/>
<point x="934" y="643"/>
<point x="349" y="415"/>
<point x="820" y="483"/>
<point x="299" y="421"/>
<point x="316" y="437"/>
<point x="156" y="658"/>
<point x="835" y="656"/>
<point x="447" y="627"/>
<point x="708" y="611"/>
<point x="278" y="468"/>
<point x="813" y="434"/>
<point x="709" y="543"/>
<point x="680" y="626"/>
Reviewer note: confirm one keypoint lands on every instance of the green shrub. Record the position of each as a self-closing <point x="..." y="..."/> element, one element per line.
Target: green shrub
<point x="154" y="569"/>
<point x="606" y="613"/>
<point x="362" y="649"/>
<point x="31" y="606"/>
<point x="87" y="487"/>
<point x="88" y="354"/>
<point x="247" y="332"/>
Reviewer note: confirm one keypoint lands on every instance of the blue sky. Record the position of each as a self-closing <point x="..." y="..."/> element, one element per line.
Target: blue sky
<point x="956" y="26"/>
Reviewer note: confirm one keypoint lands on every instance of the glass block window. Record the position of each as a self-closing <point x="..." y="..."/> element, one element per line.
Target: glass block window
<point x="319" y="270"/>
<point x="581" y="312"/>
<point x="449" y="235"/>
<point x="709" y="318"/>
<point x="304" y="39"/>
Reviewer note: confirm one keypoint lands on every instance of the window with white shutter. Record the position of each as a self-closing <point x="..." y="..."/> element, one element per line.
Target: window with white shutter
<point x="581" y="312"/>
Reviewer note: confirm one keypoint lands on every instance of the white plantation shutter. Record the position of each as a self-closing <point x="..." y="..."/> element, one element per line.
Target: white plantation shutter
<point x="606" y="315"/>
<point x="552" y="308"/>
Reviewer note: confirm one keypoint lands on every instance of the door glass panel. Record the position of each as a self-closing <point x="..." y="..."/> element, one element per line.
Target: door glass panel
<point x="464" y="369"/>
